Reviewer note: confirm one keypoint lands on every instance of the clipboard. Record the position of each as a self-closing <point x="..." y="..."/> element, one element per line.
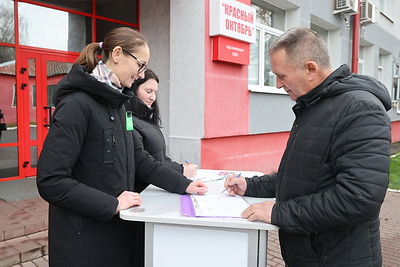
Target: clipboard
<point x="223" y="206"/>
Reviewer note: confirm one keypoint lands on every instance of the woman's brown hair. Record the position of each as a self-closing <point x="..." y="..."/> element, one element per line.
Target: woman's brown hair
<point x="127" y="38"/>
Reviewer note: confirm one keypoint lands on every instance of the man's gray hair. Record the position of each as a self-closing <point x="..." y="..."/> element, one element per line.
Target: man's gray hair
<point x="301" y="45"/>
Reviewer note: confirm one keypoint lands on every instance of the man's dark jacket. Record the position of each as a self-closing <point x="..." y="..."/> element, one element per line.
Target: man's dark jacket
<point x="150" y="137"/>
<point x="333" y="176"/>
<point x="88" y="160"/>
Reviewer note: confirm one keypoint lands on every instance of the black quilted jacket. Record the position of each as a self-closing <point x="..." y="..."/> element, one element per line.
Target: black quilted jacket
<point x="88" y="159"/>
<point x="333" y="175"/>
<point x="150" y="137"/>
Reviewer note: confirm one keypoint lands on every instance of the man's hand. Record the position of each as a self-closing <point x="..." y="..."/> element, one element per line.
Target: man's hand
<point x="259" y="212"/>
<point x="235" y="185"/>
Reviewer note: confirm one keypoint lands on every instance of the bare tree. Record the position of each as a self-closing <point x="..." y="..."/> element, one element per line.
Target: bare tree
<point x="7" y="30"/>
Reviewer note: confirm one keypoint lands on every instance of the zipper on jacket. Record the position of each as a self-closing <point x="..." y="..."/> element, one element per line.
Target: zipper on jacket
<point x="290" y="146"/>
<point x="126" y="135"/>
<point x="113" y="139"/>
<point x="79" y="226"/>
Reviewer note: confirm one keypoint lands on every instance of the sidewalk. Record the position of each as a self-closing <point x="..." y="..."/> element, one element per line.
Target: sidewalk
<point x="23" y="233"/>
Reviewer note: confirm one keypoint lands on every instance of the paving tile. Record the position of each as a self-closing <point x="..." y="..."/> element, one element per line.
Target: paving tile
<point x="33" y="225"/>
<point x="8" y="254"/>
<point x="29" y="249"/>
<point x="28" y="264"/>
<point x="12" y="229"/>
<point x="41" y="262"/>
<point x="7" y="210"/>
<point x="20" y="215"/>
<point x="42" y="239"/>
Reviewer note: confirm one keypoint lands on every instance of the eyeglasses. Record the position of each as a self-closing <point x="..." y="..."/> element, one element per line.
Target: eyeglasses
<point x="143" y="66"/>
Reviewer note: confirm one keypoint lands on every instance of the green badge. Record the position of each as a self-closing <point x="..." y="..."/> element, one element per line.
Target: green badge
<point x="129" y="121"/>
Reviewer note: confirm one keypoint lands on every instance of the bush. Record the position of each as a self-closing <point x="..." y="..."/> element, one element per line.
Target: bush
<point x="394" y="182"/>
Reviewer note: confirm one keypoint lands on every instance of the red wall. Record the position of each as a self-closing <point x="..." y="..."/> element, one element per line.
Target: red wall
<point x="226" y="110"/>
<point x="261" y="152"/>
<point x="395" y="131"/>
<point x="226" y="143"/>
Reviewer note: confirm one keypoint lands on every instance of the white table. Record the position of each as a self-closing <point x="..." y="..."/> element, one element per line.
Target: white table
<point x="172" y="239"/>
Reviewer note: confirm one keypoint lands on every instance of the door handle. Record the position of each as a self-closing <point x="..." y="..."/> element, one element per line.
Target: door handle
<point x="48" y="119"/>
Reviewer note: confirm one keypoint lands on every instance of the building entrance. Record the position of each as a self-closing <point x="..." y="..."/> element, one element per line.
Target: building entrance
<point x="28" y="101"/>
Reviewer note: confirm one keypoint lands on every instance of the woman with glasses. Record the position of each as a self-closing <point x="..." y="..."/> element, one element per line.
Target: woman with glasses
<point x="89" y="161"/>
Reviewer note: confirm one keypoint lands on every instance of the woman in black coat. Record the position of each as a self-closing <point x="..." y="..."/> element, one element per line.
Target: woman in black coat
<point x="89" y="161"/>
<point x="147" y="123"/>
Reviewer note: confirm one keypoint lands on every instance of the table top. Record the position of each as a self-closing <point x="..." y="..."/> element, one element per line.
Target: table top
<point x="161" y="206"/>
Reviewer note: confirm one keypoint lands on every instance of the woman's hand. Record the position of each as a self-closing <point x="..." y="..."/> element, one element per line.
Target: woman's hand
<point x="197" y="187"/>
<point x="128" y="199"/>
<point x="190" y="170"/>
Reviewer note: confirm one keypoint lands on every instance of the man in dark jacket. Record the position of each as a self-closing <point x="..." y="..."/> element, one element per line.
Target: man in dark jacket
<point x="333" y="176"/>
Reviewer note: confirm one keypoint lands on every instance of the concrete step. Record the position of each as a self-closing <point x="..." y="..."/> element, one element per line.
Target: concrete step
<point x="23" y="231"/>
<point x="22" y="217"/>
<point x="23" y="249"/>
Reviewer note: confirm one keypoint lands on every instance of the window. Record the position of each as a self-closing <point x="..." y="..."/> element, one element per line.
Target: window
<point x="65" y="25"/>
<point x="387" y="7"/>
<point x="384" y="70"/>
<point x="51" y="90"/>
<point x="57" y="34"/>
<point x="396" y="81"/>
<point x="14" y="98"/>
<point x="380" y="68"/>
<point x="269" y="25"/>
<point x="323" y="33"/>
<point x="7" y="22"/>
<point x="122" y="10"/>
<point x="33" y="97"/>
<point x="361" y="54"/>
<point x="104" y="27"/>
<point x="78" y="5"/>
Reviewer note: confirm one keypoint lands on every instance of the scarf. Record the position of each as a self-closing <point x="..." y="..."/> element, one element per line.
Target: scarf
<point x="103" y="74"/>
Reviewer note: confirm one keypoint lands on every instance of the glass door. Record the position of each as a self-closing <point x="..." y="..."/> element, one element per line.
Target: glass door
<point x="39" y="74"/>
<point x="8" y="114"/>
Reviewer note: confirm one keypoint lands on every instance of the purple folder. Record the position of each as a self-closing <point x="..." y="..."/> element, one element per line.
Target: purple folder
<point x="187" y="208"/>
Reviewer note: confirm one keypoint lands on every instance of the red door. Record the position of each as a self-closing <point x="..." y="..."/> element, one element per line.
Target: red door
<point x="39" y="73"/>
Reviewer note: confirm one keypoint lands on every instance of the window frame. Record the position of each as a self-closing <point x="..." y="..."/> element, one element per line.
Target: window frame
<point x="260" y="87"/>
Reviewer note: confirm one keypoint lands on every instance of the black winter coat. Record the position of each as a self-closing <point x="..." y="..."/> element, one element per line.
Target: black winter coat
<point x="150" y="137"/>
<point x="88" y="160"/>
<point x="333" y="176"/>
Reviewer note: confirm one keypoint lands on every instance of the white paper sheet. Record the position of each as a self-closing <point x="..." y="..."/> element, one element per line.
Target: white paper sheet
<point x="219" y="205"/>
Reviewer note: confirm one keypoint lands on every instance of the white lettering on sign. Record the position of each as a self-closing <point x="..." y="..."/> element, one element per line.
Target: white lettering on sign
<point x="229" y="47"/>
<point x="232" y="19"/>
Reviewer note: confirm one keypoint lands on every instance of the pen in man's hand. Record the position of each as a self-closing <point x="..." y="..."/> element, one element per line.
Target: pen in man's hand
<point x="226" y="188"/>
<point x="187" y="162"/>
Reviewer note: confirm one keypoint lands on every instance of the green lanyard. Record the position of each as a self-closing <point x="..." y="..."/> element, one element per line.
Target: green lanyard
<point x="129" y="121"/>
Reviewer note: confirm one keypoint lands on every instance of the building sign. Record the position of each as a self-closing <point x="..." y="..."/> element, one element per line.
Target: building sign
<point x="233" y="19"/>
<point x="230" y="50"/>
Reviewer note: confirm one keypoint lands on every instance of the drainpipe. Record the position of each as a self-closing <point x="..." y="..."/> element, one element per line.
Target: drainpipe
<point x="356" y="40"/>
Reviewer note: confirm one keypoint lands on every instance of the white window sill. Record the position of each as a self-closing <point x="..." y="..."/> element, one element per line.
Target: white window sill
<point x="266" y="89"/>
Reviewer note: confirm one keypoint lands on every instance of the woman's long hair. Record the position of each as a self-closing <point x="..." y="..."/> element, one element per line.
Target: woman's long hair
<point x="149" y="74"/>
